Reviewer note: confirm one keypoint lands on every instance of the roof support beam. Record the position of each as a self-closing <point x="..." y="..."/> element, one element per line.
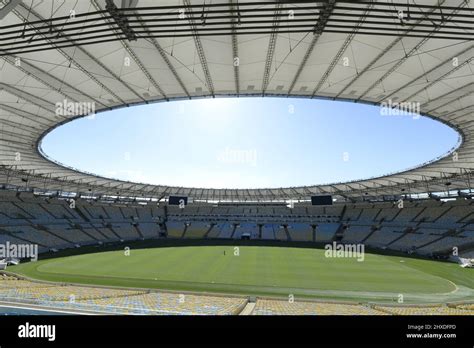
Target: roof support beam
<point x="8" y="8"/>
<point x="164" y="55"/>
<point x="341" y="51"/>
<point x="23" y="13"/>
<point x="235" y="49"/>
<point x="407" y="55"/>
<point x="380" y="55"/>
<point x="30" y="98"/>
<point x="427" y="75"/>
<point x="439" y="79"/>
<point x="120" y="19"/>
<point x="130" y="51"/>
<point x="270" y="50"/>
<point x="467" y="90"/>
<point x="49" y="80"/>
<point x="200" y="50"/>
<point x="25" y="114"/>
<point x="318" y="30"/>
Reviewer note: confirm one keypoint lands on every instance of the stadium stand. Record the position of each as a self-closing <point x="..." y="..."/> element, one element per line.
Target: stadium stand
<point x="148" y="302"/>
<point x="424" y="310"/>
<point x="197" y="229"/>
<point x="426" y="227"/>
<point x="356" y="233"/>
<point x="300" y="232"/>
<point x="116" y="301"/>
<point x="384" y="236"/>
<point x="280" y="307"/>
<point x="326" y="232"/>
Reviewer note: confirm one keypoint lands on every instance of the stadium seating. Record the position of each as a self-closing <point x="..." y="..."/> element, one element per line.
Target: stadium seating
<point x="426" y="227"/>
<point x="356" y="233"/>
<point x="147" y="302"/>
<point x="300" y="232"/>
<point x="280" y="307"/>
<point x="384" y="236"/>
<point x="325" y="231"/>
<point x="424" y="310"/>
<point x="197" y="229"/>
<point x="116" y="301"/>
<point x="268" y="232"/>
<point x="175" y="229"/>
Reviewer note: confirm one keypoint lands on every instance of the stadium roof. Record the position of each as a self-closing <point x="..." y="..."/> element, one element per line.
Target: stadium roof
<point x="115" y="54"/>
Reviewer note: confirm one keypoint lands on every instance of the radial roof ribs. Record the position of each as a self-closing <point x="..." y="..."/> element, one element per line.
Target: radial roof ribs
<point x="177" y="58"/>
<point x="130" y="51"/>
<point x="341" y="51"/>
<point x="317" y="32"/>
<point x="9" y="6"/>
<point x="235" y="44"/>
<point x="121" y="20"/>
<point x="372" y="63"/>
<point x="430" y="75"/>
<point x="271" y="50"/>
<point x="200" y="50"/>
<point x="413" y="51"/>
<point x="71" y="54"/>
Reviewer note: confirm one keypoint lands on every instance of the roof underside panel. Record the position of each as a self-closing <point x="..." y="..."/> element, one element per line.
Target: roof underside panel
<point x="170" y="50"/>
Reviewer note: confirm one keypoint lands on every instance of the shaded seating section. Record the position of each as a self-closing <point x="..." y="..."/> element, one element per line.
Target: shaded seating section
<point x="129" y="212"/>
<point x="387" y="213"/>
<point x="245" y="228"/>
<point x="59" y="210"/>
<point x="326" y="232"/>
<point x="175" y="229"/>
<point x="384" y="236"/>
<point x="215" y="231"/>
<point x="10" y="211"/>
<point x="125" y="231"/>
<point x="35" y="210"/>
<point x="73" y="235"/>
<point x="279" y="231"/>
<point x="268" y="232"/>
<point x="149" y="229"/>
<point x="37" y="236"/>
<point x="425" y="226"/>
<point x="416" y="239"/>
<point x="225" y="230"/>
<point x="102" y="229"/>
<point x="369" y="214"/>
<point x="114" y="213"/>
<point x="352" y="213"/>
<point x="197" y="229"/>
<point x="4" y="238"/>
<point x="91" y="230"/>
<point x="356" y="233"/>
<point x="300" y="232"/>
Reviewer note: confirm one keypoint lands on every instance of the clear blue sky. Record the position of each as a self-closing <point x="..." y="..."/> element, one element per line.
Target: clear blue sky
<point x="247" y="142"/>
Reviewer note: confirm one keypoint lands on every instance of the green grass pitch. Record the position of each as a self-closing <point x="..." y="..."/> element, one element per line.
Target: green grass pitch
<point x="277" y="271"/>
